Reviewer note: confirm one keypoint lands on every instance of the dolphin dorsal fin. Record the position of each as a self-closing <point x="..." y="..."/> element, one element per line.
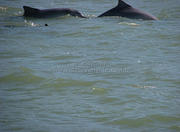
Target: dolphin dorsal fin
<point x="122" y="4"/>
<point x="29" y="11"/>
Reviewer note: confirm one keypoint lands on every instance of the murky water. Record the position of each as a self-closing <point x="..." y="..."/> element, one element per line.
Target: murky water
<point x="91" y="75"/>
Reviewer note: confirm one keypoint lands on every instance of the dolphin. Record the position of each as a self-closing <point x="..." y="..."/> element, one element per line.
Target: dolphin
<point x="46" y="13"/>
<point x="125" y="10"/>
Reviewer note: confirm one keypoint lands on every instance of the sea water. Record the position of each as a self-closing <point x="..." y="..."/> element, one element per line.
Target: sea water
<point x="106" y="74"/>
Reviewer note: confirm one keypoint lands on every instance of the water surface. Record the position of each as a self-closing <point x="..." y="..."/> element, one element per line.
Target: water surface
<point x="90" y="75"/>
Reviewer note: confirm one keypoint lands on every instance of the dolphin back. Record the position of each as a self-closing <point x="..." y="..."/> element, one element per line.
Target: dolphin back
<point x="122" y="4"/>
<point x="116" y="10"/>
<point x="29" y="11"/>
<point x="125" y="10"/>
<point x="46" y="13"/>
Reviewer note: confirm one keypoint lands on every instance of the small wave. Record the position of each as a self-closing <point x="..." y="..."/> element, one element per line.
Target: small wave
<point x="63" y="57"/>
<point x="24" y="76"/>
<point x="93" y="27"/>
<point x="13" y="25"/>
<point x="129" y="24"/>
<point x="143" y="86"/>
<point x="61" y="85"/>
<point x="133" y="123"/>
<point x="70" y="83"/>
<point x="147" y="121"/>
<point x="175" y="128"/>
<point x="17" y="21"/>
<point x="74" y="34"/>
<point x="99" y="91"/>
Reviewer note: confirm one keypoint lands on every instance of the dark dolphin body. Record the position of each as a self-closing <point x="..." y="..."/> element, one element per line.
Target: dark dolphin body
<point x="46" y="13"/>
<point x="125" y="10"/>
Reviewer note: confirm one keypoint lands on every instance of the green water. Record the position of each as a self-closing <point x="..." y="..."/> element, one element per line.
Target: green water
<point x="90" y="75"/>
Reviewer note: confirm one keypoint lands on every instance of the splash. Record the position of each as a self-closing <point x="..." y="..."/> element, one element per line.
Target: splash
<point x="29" y="23"/>
<point x="19" y="13"/>
<point x="3" y="8"/>
<point x="144" y="86"/>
